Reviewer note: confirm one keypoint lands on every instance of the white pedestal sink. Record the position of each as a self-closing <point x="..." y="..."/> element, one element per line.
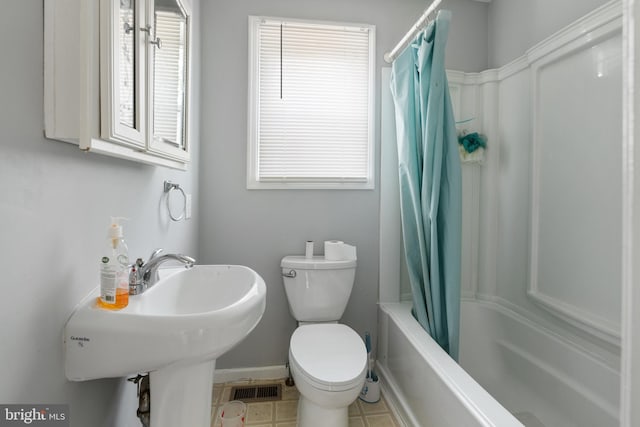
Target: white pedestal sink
<point x="175" y="331"/>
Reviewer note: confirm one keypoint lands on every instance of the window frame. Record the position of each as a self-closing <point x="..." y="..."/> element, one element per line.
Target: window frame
<point x="253" y="182"/>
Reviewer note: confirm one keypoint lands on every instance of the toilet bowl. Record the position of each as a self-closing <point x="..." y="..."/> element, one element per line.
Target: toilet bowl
<point x="328" y="363"/>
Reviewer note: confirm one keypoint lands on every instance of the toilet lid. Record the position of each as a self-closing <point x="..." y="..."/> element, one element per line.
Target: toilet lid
<point x="331" y="356"/>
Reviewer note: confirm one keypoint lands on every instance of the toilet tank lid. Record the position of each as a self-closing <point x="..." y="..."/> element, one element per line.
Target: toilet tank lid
<point x="315" y="263"/>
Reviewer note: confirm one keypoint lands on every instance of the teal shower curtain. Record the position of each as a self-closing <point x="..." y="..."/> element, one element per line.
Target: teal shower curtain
<point x="430" y="182"/>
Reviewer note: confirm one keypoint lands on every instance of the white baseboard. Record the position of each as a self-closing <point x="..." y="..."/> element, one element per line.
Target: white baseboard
<point x="248" y="374"/>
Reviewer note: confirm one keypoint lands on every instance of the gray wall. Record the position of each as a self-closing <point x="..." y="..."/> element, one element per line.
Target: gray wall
<point x="517" y="25"/>
<point x="54" y="212"/>
<point x="257" y="228"/>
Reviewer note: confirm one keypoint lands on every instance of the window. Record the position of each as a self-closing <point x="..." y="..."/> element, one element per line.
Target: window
<point x="311" y="104"/>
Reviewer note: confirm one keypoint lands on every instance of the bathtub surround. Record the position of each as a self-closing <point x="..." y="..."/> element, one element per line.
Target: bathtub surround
<point x="518" y="218"/>
<point x="430" y="182"/>
<point x="565" y="320"/>
<point x="498" y="242"/>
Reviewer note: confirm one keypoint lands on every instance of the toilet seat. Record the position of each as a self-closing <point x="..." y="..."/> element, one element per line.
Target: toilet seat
<point x="330" y="357"/>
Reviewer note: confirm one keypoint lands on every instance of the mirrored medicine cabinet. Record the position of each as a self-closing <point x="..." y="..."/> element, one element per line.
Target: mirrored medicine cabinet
<point x="117" y="77"/>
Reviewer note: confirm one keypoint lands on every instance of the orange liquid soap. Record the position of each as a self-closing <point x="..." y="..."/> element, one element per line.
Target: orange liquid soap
<point x="122" y="299"/>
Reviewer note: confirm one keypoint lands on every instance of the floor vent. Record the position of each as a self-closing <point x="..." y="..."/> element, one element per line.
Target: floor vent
<point x="257" y="393"/>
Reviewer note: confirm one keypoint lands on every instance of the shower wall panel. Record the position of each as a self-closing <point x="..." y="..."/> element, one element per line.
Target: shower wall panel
<point x="548" y="216"/>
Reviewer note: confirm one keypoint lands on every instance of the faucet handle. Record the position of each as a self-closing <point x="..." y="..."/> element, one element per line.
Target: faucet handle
<point x="136" y="286"/>
<point x="155" y="253"/>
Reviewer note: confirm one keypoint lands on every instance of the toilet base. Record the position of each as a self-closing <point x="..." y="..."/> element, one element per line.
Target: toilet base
<point x="313" y="415"/>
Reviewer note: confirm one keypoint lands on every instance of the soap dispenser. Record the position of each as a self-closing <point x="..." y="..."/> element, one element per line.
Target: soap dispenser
<point x="114" y="269"/>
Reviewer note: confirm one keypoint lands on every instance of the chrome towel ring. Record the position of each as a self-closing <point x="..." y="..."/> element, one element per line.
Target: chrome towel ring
<point x="168" y="188"/>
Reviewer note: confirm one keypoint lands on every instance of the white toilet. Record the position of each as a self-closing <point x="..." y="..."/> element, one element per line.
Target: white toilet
<point x="328" y="360"/>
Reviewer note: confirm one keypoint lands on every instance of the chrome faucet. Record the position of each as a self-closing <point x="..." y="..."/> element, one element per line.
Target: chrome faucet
<point x="145" y="274"/>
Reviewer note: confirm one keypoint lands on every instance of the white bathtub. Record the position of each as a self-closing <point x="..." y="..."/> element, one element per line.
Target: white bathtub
<point x="543" y="380"/>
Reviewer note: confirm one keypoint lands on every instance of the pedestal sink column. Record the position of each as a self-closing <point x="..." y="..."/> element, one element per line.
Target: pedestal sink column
<point x="181" y="395"/>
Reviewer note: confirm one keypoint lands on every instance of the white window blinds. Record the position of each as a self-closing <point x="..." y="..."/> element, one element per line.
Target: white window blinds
<point x="311" y="106"/>
<point x="170" y="65"/>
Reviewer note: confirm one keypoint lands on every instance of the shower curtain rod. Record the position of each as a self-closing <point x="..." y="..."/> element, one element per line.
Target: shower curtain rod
<point x="411" y="34"/>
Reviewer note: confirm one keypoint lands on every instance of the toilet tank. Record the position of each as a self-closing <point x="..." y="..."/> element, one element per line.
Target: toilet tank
<point x="318" y="290"/>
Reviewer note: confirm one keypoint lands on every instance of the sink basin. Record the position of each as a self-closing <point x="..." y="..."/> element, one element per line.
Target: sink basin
<point x="191" y="314"/>
<point x="175" y="331"/>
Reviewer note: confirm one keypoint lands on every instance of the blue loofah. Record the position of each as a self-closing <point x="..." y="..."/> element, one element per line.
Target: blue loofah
<point x="472" y="141"/>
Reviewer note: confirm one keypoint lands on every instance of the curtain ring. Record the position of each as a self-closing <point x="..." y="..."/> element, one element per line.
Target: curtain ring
<point x="168" y="188"/>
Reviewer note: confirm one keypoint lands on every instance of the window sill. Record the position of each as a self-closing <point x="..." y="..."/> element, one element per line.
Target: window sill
<point x="283" y="185"/>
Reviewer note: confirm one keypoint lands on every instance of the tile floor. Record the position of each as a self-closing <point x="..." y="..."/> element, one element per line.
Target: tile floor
<point x="283" y="413"/>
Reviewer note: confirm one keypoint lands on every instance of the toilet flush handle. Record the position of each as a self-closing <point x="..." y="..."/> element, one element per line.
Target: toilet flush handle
<point x="291" y="274"/>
